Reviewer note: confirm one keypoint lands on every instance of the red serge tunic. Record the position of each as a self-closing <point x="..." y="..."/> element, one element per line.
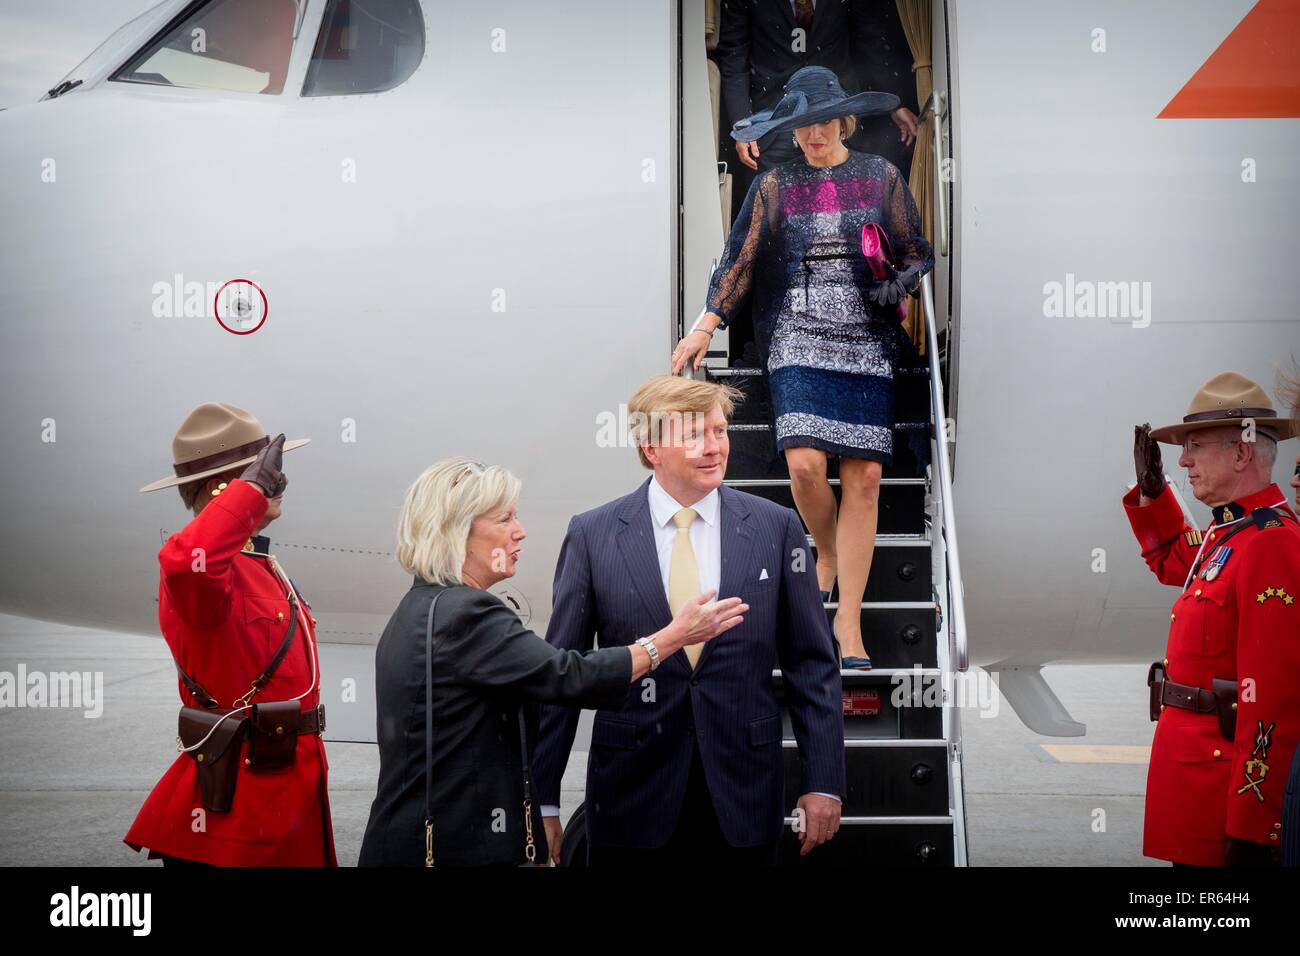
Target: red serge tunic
<point x="1242" y="623"/>
<point x="223" y="613"/>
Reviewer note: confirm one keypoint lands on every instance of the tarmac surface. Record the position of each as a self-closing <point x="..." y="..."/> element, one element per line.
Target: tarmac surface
<point x="70" y="785"/>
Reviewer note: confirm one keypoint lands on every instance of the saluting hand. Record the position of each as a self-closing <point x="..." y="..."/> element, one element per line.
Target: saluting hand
<point x="265" y="469"/>
<point x="1147" y="463"/>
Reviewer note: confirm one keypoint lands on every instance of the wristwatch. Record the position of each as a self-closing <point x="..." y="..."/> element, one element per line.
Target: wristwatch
<point x="650" y="649"/>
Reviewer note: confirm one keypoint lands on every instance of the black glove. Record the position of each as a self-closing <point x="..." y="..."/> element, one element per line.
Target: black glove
<point x="265" y="469"/>
<point x="892" y="290"/>
<point x="1146" y="460"/>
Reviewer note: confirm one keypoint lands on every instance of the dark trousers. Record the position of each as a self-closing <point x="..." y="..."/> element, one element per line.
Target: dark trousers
<point x="697" y="840"/>
<point x="1242" y="853"/>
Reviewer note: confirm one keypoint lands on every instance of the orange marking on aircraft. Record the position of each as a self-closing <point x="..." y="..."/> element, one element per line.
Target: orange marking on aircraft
<point x="1253" y="74"/>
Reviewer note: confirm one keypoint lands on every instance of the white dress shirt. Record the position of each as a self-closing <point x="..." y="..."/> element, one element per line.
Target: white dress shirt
<point x="705" y="532"/>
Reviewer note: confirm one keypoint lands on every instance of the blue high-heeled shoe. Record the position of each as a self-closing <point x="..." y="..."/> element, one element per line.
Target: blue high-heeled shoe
<point x="853" y="663"/>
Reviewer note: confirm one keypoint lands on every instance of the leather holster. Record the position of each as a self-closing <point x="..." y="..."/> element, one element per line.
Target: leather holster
<point x="273" y="742"/>
<point x="1225" y="701"/>
<point x="218" y="757"/>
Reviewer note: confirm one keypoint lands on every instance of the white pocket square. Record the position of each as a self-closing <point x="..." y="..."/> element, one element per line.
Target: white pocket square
<point x="763" y="575"/>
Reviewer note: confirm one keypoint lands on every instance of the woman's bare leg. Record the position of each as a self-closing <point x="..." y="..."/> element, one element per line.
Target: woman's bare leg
<point x="816" y="503"/>
<point x="855" y="542"/>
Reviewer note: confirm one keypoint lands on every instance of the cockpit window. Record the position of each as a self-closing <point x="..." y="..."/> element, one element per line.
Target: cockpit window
<point x="239" y="45"/>
<point x="365" y="46"/>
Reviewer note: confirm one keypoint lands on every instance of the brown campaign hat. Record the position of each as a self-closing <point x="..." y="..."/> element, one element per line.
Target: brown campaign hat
<point x="216" y="437"/>
<point x="1227" y="399"/>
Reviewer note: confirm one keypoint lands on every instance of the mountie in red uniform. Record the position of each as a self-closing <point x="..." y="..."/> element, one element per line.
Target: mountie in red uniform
<point x="1238" y="619"/>
<point x="224" y="613"/>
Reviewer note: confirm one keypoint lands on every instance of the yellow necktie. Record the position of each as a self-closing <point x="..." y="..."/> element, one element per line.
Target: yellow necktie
<point x="684" y="573"/>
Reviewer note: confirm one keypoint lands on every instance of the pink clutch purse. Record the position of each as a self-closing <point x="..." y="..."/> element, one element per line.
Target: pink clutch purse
<point x="875" y="247"/>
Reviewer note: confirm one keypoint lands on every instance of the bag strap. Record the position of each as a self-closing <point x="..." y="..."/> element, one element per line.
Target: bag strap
<point x="428" y="732"/>
<point x="262" y="679"/>
<point x="530" y="848"/>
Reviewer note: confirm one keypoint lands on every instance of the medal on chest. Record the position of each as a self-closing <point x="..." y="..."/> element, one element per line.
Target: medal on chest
<point x="1215" y="562"/>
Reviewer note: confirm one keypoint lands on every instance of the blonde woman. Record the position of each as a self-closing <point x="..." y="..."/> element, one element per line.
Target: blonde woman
<point x="459" y="533"/>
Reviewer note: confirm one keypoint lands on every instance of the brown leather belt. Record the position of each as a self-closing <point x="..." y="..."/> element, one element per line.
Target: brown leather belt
<point x="312" y="721"/>
<point x="1220" y="701"/>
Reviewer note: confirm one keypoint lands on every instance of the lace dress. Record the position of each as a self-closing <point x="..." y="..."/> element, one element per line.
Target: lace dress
<point x="829" y="352"/>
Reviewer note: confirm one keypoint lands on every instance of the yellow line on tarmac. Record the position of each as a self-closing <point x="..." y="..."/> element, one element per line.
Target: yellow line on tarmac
<point x="1097" y="753"/>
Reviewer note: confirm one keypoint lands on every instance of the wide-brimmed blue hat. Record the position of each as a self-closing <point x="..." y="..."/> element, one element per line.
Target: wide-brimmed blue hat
<point x="813" y="95"/>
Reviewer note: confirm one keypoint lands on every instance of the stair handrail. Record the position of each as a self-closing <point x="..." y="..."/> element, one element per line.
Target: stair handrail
<point x="957" y="643"/>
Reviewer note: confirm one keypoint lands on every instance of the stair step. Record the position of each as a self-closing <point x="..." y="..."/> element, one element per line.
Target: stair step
<point x="901" y="509"/>
<point x="898" y="634"/>
<point x="890" y="541"/>
<point x="860" y="821"/>
<point x="869" y="698"/>
<point x="906" y="781"/>
<point x="911" y="393"/>
<point x="901" y="571"/>
<point x="753" y="453"/>
<point x="875" y="842"/>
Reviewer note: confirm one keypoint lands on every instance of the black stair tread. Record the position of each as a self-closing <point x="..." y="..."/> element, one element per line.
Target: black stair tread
<point x="889" y="605"/>
<point x="893" y="820"/>
<point x="879" y="672"/>
<point x="921" y="742"/>
<point x="786" y="482"/>
<point x="901" y="507"/>
<point x="890" y="541"/>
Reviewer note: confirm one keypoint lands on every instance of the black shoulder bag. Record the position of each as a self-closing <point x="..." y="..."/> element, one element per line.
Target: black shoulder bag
<point x="530" y="849"/>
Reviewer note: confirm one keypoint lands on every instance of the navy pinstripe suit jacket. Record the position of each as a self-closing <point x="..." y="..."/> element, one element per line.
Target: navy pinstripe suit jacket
<point x="608" y="583"/>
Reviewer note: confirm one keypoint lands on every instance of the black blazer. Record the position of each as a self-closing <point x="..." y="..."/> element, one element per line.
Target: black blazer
<point x="486" y="666"/>
<point x="756" y="59"/>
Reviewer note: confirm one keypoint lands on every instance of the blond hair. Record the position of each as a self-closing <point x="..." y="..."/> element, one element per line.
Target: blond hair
<point x="849" y="123"/>
<point x="1288" y="389"/>
<point x="440" y="507"/>
<point x="665" y="396"/>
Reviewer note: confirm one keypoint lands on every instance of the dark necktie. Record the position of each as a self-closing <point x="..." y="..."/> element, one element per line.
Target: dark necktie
<point x="803" y="14"/>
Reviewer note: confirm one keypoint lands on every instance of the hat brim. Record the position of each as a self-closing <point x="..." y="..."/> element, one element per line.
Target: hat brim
<point x="870" y="103"/>
<point x="1283" y="428"/>
<point x="173" y="480"/>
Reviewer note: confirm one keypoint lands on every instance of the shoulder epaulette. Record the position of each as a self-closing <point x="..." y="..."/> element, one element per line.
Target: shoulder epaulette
<point x="1193" y="538"/>
<point x="1266" y="518"/>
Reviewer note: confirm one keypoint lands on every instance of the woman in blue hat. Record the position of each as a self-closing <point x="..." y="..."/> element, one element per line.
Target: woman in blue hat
<point x="827" y="329"/>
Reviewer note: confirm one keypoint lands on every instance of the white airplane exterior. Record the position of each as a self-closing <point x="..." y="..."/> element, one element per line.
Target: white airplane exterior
<point x="488" y="257"/>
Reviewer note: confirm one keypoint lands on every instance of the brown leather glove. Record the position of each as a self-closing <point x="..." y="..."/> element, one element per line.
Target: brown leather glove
<point x="265" y="470"/>
<point x="1146" y="459"/>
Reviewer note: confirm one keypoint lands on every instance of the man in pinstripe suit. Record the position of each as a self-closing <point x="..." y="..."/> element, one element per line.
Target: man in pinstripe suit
<point x="690" y="769"/>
